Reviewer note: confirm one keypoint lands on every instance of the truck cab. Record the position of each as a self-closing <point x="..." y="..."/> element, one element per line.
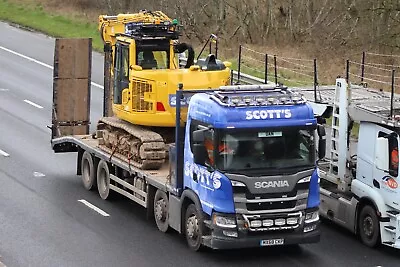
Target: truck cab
<point x="250" y="162"/>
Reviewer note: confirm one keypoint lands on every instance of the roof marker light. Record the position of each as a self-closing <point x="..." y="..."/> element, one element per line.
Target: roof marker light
<point x="235" y="100"/>
<point x="247" y="99"/>
<point x="260" y="99"/>
<point x="271" y="100"/>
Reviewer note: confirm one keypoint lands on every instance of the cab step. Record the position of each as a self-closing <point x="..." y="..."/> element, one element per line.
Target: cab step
<point x="388" y="243"/>
<point x="393" y="213"/>
<point x="390" y="228"/>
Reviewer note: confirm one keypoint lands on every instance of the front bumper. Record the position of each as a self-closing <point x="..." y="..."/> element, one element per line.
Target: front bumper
<point x="223" y="242"/>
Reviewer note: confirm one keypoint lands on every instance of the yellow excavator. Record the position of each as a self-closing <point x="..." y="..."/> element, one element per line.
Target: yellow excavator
<point x="142" y="74"/>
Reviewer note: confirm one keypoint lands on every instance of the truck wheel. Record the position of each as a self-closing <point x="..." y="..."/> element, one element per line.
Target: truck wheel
<point x="193" y="227"/>
<point x="368" y="224"/>
<point x="103" y="180"/>
<point x="161" y="207"/>
<point x="88" y="171"/>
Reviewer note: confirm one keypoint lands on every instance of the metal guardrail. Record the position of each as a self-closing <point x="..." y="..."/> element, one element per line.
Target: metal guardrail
<point x="246" y="78"/>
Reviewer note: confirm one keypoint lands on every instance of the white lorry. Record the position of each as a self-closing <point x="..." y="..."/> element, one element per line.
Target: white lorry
<point x="359" y="181"/>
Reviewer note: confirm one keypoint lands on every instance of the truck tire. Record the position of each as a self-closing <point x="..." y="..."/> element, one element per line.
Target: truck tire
<point x="161" y="207"/>
<point x="368" y="224"/>
<point x="103" y="180"/>
<point x="88" y="171"/>
<point x="194" y="227"/>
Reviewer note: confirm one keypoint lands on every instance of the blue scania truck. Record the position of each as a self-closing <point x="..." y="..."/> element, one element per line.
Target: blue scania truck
<point x="241" y="173"/>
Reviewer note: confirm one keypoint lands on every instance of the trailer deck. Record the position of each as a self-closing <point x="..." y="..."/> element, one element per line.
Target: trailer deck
<point x="367" y="104"/>
<point x="157" y="178"/>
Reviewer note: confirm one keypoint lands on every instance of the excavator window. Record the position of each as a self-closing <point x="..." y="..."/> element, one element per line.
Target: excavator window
<point x="148" y="59"/>
<point x="153" y="54"/>
<point x="121" y="71"/>
<point x="125" y="63"/>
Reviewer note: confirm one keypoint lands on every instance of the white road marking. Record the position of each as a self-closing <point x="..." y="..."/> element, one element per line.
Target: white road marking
<point x="4" y="90"/>
<point x="93" y="207"/>
<point x="38" y="174"/>
<point x="3" y="153"/>
<point x="40" y="63"/>
<point x="33" y="104"/>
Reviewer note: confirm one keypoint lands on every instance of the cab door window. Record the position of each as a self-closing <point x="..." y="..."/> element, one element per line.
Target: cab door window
<point x="121" y="71"/>
<point x="393" y="155"/>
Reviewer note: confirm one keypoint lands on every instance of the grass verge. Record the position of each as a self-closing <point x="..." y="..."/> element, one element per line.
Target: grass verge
<point x="34" y="17"/>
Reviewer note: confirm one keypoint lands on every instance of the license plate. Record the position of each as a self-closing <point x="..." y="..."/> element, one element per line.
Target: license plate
<point x="272" y="242"/>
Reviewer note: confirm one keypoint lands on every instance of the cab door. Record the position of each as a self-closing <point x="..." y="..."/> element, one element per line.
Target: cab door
<point x="386" y="178"/>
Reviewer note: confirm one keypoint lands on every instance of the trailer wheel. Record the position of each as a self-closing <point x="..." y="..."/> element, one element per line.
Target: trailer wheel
<point x="368" y="224"/>
<point x="88" y="171"/>
<point x="103" y="180"/>
<point x="193" y="227"/>
<point x="161" y="207"/>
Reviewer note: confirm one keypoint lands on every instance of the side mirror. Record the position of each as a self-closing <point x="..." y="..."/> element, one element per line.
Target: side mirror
<point x="382" y="154"/>
<point x="322" y="141"/>
<point x="199" y="154"/>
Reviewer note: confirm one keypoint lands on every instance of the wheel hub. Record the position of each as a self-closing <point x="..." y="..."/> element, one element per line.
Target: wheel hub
<point x="160" y="210"/>
<point x="368" y="226"/>
<point x="192" y="227"/>
<point x="86" y="174"/>
<point x="103" y="182"/>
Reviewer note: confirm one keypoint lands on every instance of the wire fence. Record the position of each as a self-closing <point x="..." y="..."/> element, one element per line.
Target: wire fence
<point x="377" y="72"/>
<point x="273" y="68"/>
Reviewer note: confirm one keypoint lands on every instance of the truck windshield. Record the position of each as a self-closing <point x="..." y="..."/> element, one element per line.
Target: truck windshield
<point x="259" y="149"/>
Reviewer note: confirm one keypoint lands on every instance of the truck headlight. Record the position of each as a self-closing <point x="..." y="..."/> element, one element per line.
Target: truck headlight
<point x="312" y="217"/>
<point x="224" y="221"/>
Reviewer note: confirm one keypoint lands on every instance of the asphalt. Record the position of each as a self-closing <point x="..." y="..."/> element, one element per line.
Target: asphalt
<point x="42" y="221"/>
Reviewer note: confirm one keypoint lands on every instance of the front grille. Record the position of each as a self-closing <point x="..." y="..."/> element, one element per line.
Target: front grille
<point x="248" y="203"/>
<point x="139" y="88"/>
<point x="249" y="195"/>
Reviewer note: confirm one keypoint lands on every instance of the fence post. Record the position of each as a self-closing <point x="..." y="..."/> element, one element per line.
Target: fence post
<point x="239" y="60"/>
<point x="276" y="71"/>
<point x="347" y="70"/>
<point x="392" y="95"/>
<point x="315" y="80"/>
<point x="216" y="48"/>
<point x="362" y="67"/>
<point x="266" y="69"/>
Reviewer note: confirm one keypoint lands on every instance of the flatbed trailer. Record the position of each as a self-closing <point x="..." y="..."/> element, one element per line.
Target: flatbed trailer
<point x="157" y="178"/>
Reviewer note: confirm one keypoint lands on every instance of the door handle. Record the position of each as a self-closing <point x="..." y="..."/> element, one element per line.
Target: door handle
<point x="195" y="177"/>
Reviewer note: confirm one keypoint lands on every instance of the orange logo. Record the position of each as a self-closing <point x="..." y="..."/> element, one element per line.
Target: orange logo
<point x="390" y="182"/>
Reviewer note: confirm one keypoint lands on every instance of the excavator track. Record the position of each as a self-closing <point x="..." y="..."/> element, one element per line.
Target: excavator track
<point x="144" y="148"/>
